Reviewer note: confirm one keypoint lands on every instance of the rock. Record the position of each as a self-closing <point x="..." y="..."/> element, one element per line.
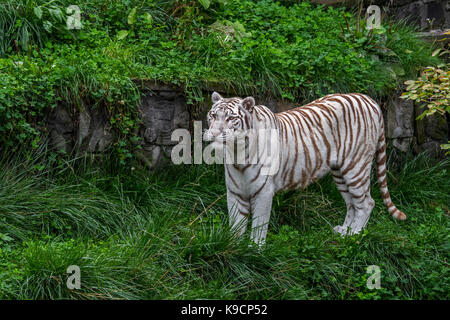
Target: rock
<point x="276" y="105"/>
<point x="92" y="135"/>
<point x="425" y="14"/>
<point x="436" y="128"/>
<point x="94" y="132"/>
<point x="435" y="35"/>
<point x="168" y="94"/>
<point x="431" y="132"/>
<point x="101" y="139"/>
<point x="150" y="134"/>
<point x="433" y="148"/>
<point x="161" y="113"/>
<point x="84" y="123"/>
<point x="61" y="128"/>
<point x="404" y="144"/>
<point x="399" y="122"/>
<point x="151" y="156"/>
<point x="58" y="141"/>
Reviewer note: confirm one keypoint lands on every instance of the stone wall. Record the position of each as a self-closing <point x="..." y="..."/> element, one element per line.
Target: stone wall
<point x="88" y="131"/>
<point x="407" y="133"/>
<point x="426" y="14"/>
<point x="164" y="109"/>
<point x="430" y="132"/>
<point x="399" y="122"/>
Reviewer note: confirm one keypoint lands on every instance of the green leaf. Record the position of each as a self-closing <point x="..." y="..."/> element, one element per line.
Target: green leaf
<point x="445" y="146"/>
<point x="205" y="3"/>
<point x="48" y="26"/>
<point x="38" y="12"/>
<point x="122" y="34"/>
<point x="380" y="30"/>
<point x="56" y="13"/>
<point x="148" y="18"/>
<point x="5" y="237"/>
<point x="435" y="52"/>
<point x="398" y="69"/>
<point x="132" y="16"/>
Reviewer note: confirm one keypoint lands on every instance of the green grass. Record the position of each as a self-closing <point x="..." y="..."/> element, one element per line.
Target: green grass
<point x="140" y="235"/>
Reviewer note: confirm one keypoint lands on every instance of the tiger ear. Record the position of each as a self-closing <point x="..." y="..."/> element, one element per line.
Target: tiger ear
<point x="248" y="103"/>
<point x="215" y="97"/>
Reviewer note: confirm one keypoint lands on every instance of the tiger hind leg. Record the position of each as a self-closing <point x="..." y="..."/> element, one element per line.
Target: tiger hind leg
<point x="358" y="182"/>
<point x="343" y="189"/>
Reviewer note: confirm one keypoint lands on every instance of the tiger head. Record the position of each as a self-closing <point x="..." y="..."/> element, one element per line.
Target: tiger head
<point x="228" y="118"/>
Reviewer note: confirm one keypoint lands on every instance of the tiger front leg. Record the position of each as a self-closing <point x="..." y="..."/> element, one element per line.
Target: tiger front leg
<point x="261" y="208"/>
<point x="238" y="210"/>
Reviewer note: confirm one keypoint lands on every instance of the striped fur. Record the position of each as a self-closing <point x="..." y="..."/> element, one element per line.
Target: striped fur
<point x="341" y="133"/>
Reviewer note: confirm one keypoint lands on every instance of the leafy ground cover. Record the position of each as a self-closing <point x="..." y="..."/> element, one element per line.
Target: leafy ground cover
<point x="297" y="51"/>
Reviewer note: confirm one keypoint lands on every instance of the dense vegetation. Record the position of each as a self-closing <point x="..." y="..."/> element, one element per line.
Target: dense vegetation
<point x="295" y="51"/>
<point x="165" y="236"/>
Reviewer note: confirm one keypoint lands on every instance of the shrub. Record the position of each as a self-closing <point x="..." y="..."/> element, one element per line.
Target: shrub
<point x="28" y="23"/>
<point x="432" y="88"/>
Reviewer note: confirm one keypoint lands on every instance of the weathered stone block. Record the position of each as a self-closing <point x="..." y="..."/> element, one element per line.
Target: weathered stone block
<point x="399" y="122"/>
<point x="94" y="132"/>
<point x="61" y="128"/>
<point x="161" y="113"/>
<point x="431" y="132"/>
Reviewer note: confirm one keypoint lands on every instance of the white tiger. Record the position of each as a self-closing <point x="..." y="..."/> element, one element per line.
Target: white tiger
<point x="341" y="133"/>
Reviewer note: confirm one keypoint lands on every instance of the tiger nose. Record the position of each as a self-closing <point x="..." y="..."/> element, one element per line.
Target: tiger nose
<point x="214" y="132"/>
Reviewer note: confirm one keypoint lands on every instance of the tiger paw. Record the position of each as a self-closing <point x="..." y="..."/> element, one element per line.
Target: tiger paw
<point x="341" y="229"/>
